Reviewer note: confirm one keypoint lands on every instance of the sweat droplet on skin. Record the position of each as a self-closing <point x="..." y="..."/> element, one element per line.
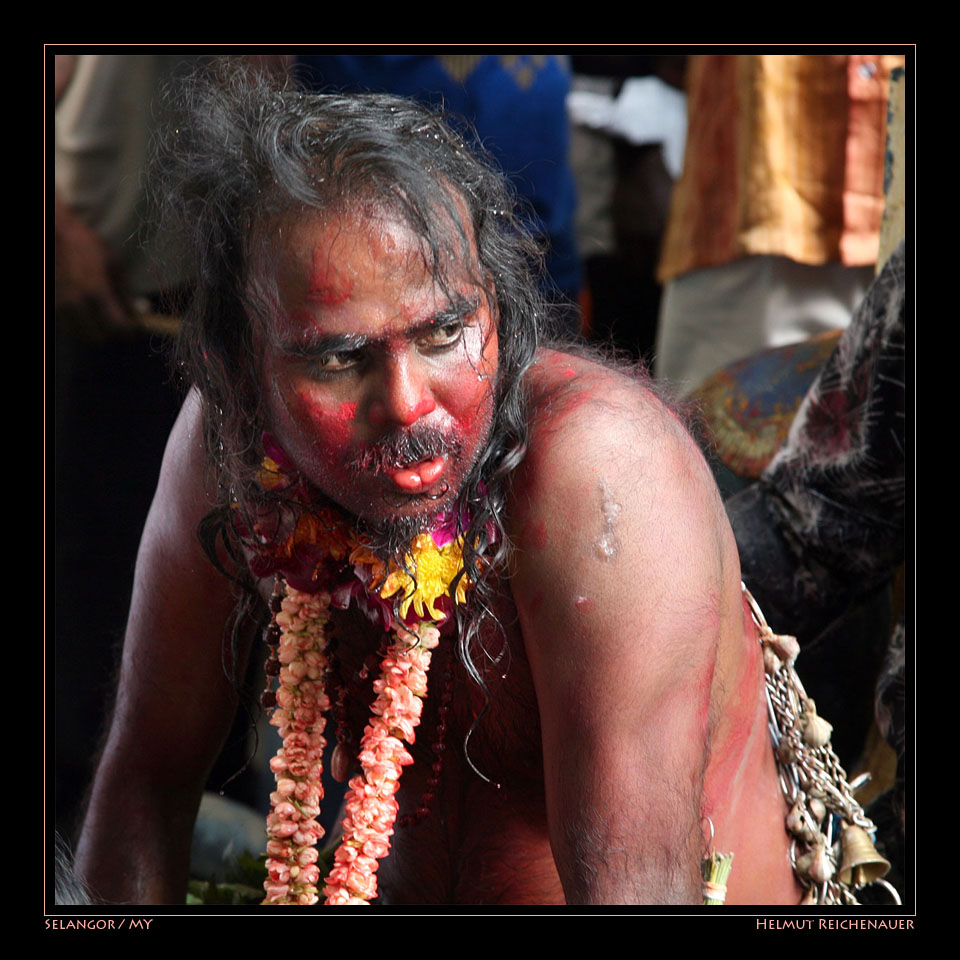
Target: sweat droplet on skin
<point x="607" y="545"/>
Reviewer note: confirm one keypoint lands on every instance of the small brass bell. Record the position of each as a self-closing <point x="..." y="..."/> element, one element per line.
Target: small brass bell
<point x="860" y="863"/>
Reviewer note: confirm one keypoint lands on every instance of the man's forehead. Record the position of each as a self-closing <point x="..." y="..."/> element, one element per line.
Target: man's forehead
<point x="325" y="259"/>
<point x="361" y="271"/>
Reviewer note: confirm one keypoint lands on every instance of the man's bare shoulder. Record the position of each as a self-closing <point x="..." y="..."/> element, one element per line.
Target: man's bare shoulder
<point x="592" y="422"/>
<point x="186" y="488"/>
<point x="615" y="492"/>
<point x="625" y="582"/>
<point x="171" y="560"/>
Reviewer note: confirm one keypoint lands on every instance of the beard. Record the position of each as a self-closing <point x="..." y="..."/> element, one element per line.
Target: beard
<point x="402" y="448"/>
<point x="390" y="538"/>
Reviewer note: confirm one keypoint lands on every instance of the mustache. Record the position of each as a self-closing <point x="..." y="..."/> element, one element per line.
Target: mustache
<point x="401" y="448"/>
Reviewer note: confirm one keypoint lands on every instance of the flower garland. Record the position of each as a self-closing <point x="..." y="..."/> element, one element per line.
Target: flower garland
<point x="371" y="803"/>
<point x="324" y="563"/>
<point x="292" y="827"/>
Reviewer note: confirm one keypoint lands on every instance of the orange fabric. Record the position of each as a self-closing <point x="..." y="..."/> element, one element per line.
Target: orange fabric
<point x="784" y="157"/>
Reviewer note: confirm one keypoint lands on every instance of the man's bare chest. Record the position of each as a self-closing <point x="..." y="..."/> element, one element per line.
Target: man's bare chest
<point x="491" y="725"/>
<point x="472" y="824"/>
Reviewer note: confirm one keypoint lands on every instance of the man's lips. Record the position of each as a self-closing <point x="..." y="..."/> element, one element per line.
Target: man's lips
<point x="418" y="476"/>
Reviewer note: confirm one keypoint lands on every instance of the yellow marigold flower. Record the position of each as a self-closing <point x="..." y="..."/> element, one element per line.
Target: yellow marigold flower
<point x="269" y="476"/>
<point x="434" y="567"/>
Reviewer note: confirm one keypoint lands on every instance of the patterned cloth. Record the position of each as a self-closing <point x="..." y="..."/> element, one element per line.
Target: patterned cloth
<point x="841" y="472"/>
<point x="822" y="532"/>
<point x="825" y="523"/>
<point x="748" y="407"/>
<point x="785" y="156"/>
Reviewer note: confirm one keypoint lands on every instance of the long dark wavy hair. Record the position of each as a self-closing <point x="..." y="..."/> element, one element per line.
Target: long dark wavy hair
<point x="249" y="154"/>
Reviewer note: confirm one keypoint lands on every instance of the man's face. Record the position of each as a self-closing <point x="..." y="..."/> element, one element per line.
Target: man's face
<point x="378" y="383"/>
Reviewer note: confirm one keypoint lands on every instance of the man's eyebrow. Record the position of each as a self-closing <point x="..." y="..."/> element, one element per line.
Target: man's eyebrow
<point x="316" y="344"/>
<point x="313" y="343"/>
<point x="456" y="309"/>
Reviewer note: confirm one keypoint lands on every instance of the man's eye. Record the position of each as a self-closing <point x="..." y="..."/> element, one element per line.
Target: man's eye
<point x="335" y="362"/>
<point x="444" y="334"/>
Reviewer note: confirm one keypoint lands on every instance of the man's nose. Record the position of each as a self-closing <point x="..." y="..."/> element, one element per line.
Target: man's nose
<point x="404" y="396"/>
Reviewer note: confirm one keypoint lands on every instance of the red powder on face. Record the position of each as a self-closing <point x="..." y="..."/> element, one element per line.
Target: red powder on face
<point x="331" y="424"/>
<point x="569" y="372"/>
<point x="357" y="277"/>
<point x="326" y="286"/>
<point x="465" y="422"/>
<point x="329" y="296"/>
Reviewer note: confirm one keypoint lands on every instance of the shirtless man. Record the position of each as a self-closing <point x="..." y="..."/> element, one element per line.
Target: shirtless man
<point x="366" y="305"/>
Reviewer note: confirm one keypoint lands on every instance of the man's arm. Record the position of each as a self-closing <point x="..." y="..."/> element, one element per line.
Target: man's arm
<point x="619" y="584"/>
<point x="174" y="703"/>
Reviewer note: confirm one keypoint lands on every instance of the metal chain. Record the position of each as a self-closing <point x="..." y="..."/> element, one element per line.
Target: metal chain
<point x="813" y="782"/>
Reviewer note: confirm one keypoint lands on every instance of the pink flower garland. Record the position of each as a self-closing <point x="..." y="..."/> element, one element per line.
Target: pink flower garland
<point x="371" y="805"/>
<point x="292" y="826"/>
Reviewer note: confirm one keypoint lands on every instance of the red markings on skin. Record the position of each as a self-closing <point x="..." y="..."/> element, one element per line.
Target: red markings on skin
<point x="744" y="713"/>
<point x="538" y="535"/>
<point x="326" y="286"/>
<point x="555" y="359"/>
<point x="330" y="296"/>
<point x="426" y="406"/>
<point x="569" y="403"/>
<point x="730" y="755"/>
<point x="302" y="318"/>
<point x="585" y="604"/>
<point x="333" y="422"/>
<point x="702" y="693"/>
<point x="464" y="423"/>
<point x="373" y="270"/>
<point x="533" y="534"/>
